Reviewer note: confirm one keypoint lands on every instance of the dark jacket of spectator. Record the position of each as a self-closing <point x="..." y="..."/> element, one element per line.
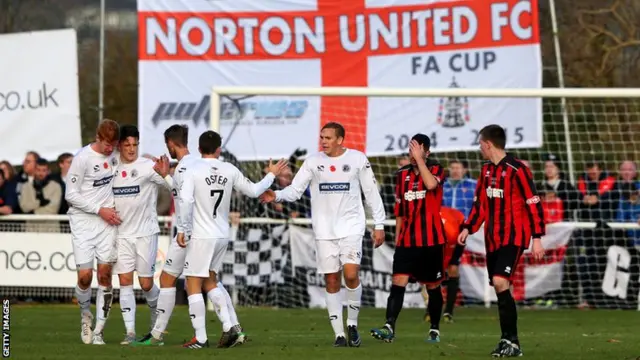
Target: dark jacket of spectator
<point x="604" y="190"/>
<point x="8" y="196"/>
<point x="566" y="192"/>
<point x="629" y="211"/>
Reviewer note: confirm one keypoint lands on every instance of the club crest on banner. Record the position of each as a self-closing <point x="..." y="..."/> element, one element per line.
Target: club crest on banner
<point x="453" y="112"/>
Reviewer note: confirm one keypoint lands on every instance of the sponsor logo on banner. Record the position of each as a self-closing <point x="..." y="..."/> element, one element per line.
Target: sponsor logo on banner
<point x="242" y="112"/>
<point x="39" y="100"/>
<point x="325" y="43"/>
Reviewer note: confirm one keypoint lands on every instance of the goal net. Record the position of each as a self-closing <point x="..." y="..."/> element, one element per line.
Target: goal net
<point x="581" y="145"/>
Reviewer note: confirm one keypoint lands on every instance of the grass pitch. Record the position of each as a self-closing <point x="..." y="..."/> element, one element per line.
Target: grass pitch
<point x="47" y="332"/>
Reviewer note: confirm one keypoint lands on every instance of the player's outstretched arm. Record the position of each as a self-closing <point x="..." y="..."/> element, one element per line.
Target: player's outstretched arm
<point x="253" y="190"/>
<point x="160" y="173"/>
<point x="186" y="202"/>
<point x="298" y="185"/>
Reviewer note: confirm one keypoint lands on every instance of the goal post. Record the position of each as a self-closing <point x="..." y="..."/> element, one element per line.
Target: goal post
<point x="579" y="127"/>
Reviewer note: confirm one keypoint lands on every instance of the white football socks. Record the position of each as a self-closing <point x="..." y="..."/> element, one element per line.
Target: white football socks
<point x="233" y="317"/>
<point x="166" y="303"/>
<point x="152" y="297"/>
<point x="84" y="299"/>
<point x="334" y="307"/>
<point x="220" y="304"/>
<point x="104" y="298"/>
<point x="128" y="308"/>
<point x="197" y="311"/>
<point x="353" y="303"/>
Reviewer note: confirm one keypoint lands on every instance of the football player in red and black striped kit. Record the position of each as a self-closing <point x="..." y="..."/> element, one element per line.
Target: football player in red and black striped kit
<point x="420" y="237"/>
<point x="507" y="203"/>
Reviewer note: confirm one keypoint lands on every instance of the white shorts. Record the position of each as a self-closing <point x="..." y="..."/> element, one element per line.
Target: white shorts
<point x="331" y="255"/>
<point x="174" y="263"/>
<point x="218" y="256"/>
<point x="92" y="238"/>
<point x="204" y="255"/>
<point x="137" y="253"/>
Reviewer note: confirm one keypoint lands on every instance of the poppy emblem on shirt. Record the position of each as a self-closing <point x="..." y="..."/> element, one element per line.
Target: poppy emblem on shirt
<point x="124" y="174"/>
<point x="332" y="168"/>
<point x="105" y="165"/>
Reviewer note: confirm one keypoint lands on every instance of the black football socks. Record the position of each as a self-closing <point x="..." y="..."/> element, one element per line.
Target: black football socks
<point x="394" y="305"/>
<point x="435" y="307"/>
<point x="453" y="284"/>
<point x="508" y="316"/>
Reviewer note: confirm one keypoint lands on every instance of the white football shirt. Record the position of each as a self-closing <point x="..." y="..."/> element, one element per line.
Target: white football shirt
<point x="336" y="187"/>
<point x="205" y="197"/>
<point x="135" y="188"/>
<point x="89" y="181"/>
<point x="178" y="176"/>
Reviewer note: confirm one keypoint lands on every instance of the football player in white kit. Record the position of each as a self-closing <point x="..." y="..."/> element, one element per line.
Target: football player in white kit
<point x="203" y="224"/>
<point x="337" y="176"/>
<point x="93" y="221"/>
<point x="176" y="138"/>
<point x="136" y="193"/>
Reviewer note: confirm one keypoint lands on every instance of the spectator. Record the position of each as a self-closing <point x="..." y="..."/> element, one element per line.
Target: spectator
<point x="25" y="176"/>
<point x="628" y="187"/>
<point x="560" y="197"/>
<point x="8" y="190"/>
<point x="7" y="170"/>
<point x="458" y="189"/>
<point x="8" y="198"/>
<point x="553" y="206"/>
<point x="629" y="211"/>
<point x="627" y="177"/>
<point x="42" y="195"/>
<point x="64" y="163"/>
<point x="599" y="201"/>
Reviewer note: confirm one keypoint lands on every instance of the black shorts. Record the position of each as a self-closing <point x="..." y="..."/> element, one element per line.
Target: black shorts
<point x="422" y="264"/>
<point x="457" y="254"/>
<point x="503" y="262"/>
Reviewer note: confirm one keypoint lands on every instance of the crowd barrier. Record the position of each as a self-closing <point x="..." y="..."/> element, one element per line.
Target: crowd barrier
<point x="272" y="262"/>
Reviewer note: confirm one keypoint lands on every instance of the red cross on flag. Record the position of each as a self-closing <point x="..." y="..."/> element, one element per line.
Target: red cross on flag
<point x="186" y="47"/>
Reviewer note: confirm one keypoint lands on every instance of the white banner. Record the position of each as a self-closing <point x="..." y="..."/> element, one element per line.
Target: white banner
<point x="189" y="46"/>
<point x="46" y="260"/>
<point x="531" y="279"/>
<point x="39" y="100"/>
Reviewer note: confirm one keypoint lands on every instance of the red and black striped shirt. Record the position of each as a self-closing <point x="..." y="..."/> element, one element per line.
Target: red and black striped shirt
<point x="506" y="201"/>
<point x="419" y="208"/>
